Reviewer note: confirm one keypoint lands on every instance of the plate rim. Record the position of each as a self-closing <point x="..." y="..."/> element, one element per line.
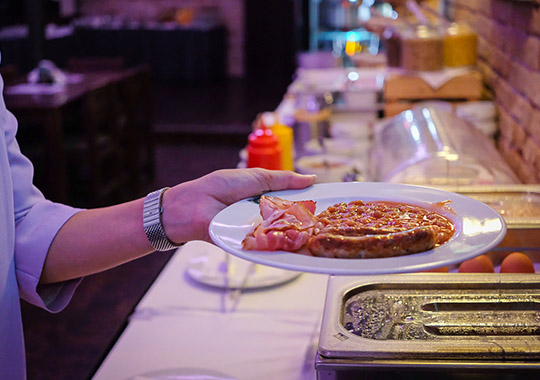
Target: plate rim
<point x="418" y="262"/>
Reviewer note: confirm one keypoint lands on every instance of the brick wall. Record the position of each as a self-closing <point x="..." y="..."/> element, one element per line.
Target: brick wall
<point x="232" y="12"/>
<point x="509" y="58"/>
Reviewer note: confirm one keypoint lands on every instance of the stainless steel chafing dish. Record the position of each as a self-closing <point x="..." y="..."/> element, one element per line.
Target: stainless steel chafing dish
<point x="416" y="324"/>
<point x="518" y="204"/>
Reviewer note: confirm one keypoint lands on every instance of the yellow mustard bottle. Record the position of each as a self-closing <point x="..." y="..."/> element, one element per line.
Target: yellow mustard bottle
<point x="285" y="138"/>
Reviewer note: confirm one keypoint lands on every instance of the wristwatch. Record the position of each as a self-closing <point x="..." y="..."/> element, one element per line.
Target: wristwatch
<point x="153" y="226"/>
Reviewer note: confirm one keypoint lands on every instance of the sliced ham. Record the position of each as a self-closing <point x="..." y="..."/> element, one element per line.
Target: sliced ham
<point x="286" y="225"/>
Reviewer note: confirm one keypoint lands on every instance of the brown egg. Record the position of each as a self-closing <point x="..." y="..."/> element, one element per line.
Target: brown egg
<point x="517" y="262"/>
<point x="480" y="264"/>
<point x="437" y="270"/>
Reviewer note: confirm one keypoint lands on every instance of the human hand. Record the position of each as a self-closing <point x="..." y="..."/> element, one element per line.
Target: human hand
<point x="190" y="206"/>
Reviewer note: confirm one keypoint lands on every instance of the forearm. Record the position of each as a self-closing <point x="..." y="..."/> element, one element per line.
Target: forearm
<point x="99" y="239"/>
<point x="95" y="240"/>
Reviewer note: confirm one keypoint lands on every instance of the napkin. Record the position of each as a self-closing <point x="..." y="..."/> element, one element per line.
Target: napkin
<point x="436" y="79"/>
<point x="47" y="72"/>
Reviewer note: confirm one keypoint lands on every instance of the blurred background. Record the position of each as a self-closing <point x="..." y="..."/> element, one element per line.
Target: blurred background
<point x="116" y="98"/>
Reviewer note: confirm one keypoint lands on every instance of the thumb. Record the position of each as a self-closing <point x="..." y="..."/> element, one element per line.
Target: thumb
<point x="284" y="179"/>
<point x="299" y="181"/>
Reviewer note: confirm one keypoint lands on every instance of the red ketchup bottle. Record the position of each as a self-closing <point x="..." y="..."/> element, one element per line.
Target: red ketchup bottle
<point x="263" y="150"/>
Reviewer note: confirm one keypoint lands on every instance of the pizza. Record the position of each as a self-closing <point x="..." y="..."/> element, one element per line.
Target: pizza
<point x="356" y="229"/>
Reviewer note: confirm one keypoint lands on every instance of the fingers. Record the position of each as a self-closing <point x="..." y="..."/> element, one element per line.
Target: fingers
<point x="190" y="206"/>
<point x="299" y="181"/>
<point x="283" y="180"/>
<point x="272" y="180"/>
<point x="233" y="185"/>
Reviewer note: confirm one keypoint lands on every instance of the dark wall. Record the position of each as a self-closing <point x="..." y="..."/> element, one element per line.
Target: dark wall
<point x="11" y="12"/>
<point x="275" y="32"/>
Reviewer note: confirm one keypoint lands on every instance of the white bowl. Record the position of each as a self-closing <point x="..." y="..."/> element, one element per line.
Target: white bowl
<point x="340" y="147"/>
<point x="352" y="125"/>
<point x="330" y="168"/>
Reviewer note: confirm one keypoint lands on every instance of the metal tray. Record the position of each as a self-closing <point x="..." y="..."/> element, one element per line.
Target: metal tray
<point x="518" y="204"/>
<point x="485" y="317"/>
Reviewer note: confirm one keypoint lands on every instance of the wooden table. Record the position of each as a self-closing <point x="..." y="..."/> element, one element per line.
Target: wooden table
<point x="48" y="106"/>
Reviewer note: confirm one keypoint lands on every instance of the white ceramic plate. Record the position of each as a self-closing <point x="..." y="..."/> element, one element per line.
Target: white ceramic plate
<point x="478" y="229"/>
<point x="210" y="269"/>
<point x="183" y="374"/>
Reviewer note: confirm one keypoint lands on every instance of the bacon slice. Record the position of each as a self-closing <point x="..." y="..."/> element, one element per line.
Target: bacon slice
<point x="286" y="225"/>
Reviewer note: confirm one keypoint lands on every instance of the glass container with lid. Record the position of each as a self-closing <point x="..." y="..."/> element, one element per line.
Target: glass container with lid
<point x="422" y="49"/>
<point x="431" y="146"/>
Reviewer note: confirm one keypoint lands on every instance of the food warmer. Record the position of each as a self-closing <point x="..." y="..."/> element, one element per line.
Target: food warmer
<point x="432" y="146"/>
<point x="520" y="207"/>
<point x="451" y="325"/>
<point x="440" y="325"/>
<point x="415" y="326"/>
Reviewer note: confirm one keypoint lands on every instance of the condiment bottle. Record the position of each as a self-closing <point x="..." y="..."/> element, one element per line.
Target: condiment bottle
<point x="263" y="150"/>
<point x="285" y="138"/>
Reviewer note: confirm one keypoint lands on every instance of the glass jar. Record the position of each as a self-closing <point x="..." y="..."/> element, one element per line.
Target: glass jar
<point x="391" y="39"/>
<point x="460" y="46"/>
<point x="422" y="49"/>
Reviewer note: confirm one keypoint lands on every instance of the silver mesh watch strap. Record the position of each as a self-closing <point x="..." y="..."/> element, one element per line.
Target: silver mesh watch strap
<point x="153" y="226"/>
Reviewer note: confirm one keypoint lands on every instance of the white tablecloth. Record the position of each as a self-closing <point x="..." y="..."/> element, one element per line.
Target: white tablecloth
<point x="181" y="329"/>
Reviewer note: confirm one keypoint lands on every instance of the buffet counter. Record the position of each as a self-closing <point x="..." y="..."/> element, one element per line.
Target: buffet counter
<point x="185" y="327"/>
<point x="192" y="324"/>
